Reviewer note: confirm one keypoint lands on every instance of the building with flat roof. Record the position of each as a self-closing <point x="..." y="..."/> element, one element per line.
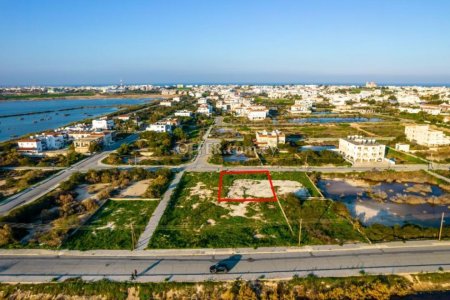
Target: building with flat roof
<point x="358" y="149"/>
<point x="31" y="146"/>
<point x="160" y="127"/>
<point x="184" y="113"/>
<point x="256" y="113"/>
<point x="425" y="136"/>
<point x="84" y="145"/>
<point x="271" y="139"/>
<point x="102" y="124"/>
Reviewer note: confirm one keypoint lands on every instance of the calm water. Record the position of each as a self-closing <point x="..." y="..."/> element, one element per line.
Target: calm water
<point x="334" y="120"/>
<point x="235" y="157"/>
<point x="370" y="211"/>
<point x="439" y="295"/>
<point x="76" y="110"/>
<point x="317" y="148"/>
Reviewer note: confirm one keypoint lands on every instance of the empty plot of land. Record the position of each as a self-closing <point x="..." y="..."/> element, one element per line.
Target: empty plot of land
<point x="113" y="226"/>
<point x="195" y="217"/>
<point x="242" y="188"/>
<point x="135" y="190"/>
<point x="85" y="191"/>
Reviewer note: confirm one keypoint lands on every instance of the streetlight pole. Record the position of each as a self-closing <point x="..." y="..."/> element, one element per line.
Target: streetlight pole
<point x="300" y="233"/>
<point x="442" y="224"/>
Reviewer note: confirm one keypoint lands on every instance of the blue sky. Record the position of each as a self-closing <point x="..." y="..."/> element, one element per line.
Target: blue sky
<point x="103" y="41"/>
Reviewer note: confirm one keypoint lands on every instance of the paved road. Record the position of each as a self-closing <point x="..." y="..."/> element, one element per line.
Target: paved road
<point x="198" y="161"/>
<point x="153" y="222"/>
<point x="51" y="183"/>
<point x="336" y="261"/>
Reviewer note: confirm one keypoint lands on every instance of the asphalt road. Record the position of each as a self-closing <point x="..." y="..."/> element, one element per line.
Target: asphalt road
<point x="250" y="266"/>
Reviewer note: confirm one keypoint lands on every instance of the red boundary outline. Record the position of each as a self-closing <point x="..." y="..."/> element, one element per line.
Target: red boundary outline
<point x="223" y="173"/>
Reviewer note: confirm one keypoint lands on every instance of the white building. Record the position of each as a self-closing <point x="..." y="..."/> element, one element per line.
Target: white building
<point x="410" y="110"/>
<point x="32" y="146"/>
<point x="205" y="109"/>
<point x="160" y="127"/>
<point x="184" y="113"/>
<point x="302" y="107"/>
<point x="434" y="110"/>
<point x="202" y="101"/>
<point x="257" y="113"/>
<point x="166" y="103"/>
<point x="103" y="124"/>
<point x="361" y="150"/>
<point x="423" y="135"/>
<point x="53" y="140"/>
<point x="402" y="147"/>
<point x="270" y="139"/>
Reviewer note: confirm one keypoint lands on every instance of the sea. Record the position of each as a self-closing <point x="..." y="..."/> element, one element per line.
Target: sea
<point x="22" y="117"/>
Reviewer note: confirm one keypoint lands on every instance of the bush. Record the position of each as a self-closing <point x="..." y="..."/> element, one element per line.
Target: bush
<point x="6" y="235"/>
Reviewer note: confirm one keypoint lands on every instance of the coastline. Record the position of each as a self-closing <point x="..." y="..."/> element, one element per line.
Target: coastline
<point x="93" y="97"/>
<point x="9" y="140"/>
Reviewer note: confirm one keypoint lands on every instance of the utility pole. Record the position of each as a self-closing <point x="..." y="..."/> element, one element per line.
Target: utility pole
<point x="442" y="224"/>
<point x="133" y="242"/>
<point x="300" y="233"/>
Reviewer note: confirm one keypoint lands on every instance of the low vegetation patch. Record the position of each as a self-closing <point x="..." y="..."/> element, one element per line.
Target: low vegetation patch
<point x="114" y="226"/>
<point x="402" y="158"/>
<point x="310" y="287"/>
<point x="195" y="218"/>
<point x="47" y="221"/>
<point x="445" y="173"/>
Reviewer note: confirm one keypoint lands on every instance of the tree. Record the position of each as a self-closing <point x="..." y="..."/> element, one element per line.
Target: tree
<point x="113" y="159"/>
<point x="124" y="149"/>
<point x="94" y="147"/>
<point x="179" y="134"/>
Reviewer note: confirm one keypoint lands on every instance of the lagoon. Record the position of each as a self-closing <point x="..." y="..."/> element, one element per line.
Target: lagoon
<point x="22" y="117"/>
<point x="360" y="199"/>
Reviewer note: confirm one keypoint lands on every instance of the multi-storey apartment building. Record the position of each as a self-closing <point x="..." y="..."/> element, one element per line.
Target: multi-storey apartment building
<point x="423" y="135"/>
<point x="32" y="146"/>
<point x="102" y="124"/>
<point x="358" y="149"/>
<point x="270" y="139"/>
<point x="257" y="113"/>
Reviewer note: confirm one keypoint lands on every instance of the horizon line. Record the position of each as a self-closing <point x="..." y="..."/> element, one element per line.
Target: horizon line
<point x="273" y="83"/>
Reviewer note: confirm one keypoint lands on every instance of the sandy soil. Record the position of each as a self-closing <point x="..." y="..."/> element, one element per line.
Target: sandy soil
<point x="244" y="188"/>
<point x="419" y="188"/>
<point x="88" y="191"/>
<point x="414" y="200"/>
<point x="137" y="189"/>
<point x="110" y="225"/>
<point x="201" y="191"/>
<point x="236" y="210"/>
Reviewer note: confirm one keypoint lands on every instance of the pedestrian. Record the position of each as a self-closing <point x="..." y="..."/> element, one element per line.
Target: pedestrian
<point x="135" y="273"/>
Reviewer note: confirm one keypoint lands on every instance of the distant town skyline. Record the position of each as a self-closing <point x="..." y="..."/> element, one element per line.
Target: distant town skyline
<point x="51" y="42"/>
